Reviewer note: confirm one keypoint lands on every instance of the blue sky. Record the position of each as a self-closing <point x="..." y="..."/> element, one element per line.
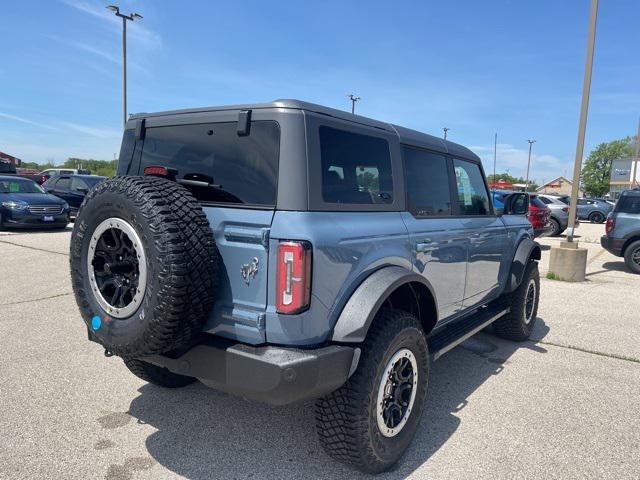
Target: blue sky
<point x="477" y="67"/>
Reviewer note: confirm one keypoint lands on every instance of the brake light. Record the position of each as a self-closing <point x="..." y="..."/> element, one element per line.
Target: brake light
<point x="293" y="277"/>
<point x="611" y="224"/>
<point x="160" y="171"/>
<point x="565" y="209"/>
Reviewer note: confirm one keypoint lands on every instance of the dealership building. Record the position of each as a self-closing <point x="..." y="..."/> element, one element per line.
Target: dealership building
<point x="622" y="175"/>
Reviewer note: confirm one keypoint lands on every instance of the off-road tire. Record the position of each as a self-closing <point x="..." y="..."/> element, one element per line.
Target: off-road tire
<point x="629" y="253"/>
<point x="596" y="217"/>
<point x="157" y="375"/>
<point x="514" y="325"/>
<point x="346" y="419"/>
<point x="556" y="229"/>
<point x="182" y="265"/>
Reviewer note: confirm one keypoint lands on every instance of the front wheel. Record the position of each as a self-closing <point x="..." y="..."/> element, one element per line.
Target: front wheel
<point x="596" y="217"/>
<point x="632" y="256"/>
<point x="523" y="307"/>
<point x="370" y="421"/>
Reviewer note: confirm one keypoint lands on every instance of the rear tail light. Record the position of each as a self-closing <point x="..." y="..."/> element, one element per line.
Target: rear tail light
<point x="611" y="224"/>
<point x="565" y="209"/>
<point x="293" y="282"/>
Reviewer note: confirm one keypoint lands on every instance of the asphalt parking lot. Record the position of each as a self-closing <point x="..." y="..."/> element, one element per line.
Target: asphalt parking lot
<point x="564" y="405"/>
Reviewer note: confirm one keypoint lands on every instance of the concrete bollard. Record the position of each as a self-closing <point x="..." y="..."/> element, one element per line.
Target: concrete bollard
<point x="568" y="262"/>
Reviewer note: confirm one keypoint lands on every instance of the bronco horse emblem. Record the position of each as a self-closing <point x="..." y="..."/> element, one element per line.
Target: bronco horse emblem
<point x="249" y="270"/>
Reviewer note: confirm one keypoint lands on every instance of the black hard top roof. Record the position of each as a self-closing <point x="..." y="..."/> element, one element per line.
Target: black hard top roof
<point x="631" y="193"/>
<point x="406" y="135"/>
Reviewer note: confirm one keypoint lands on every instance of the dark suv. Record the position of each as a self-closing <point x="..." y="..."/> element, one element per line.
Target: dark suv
<point x="287" y="251"/>
<point x="623" y="229"/>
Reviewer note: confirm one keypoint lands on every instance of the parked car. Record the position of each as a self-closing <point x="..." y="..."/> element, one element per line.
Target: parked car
<point x="72" y="188"/>
<point x="25" y="204"/>
<point x="52" y="172"/>
<point x="622" y="236"/>
<point x="595" y="211"/>
<point x="536" y="211"/>
<point x="559" y="220"/>
<point x="288" y="251"/>
<point x="8" y="169"/>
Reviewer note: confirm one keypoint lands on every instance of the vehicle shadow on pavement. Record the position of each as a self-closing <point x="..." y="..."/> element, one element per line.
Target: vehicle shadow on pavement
<point x="203" y="434"/>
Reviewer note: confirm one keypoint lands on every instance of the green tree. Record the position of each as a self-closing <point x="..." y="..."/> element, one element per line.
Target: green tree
<point x="596" y="172"/>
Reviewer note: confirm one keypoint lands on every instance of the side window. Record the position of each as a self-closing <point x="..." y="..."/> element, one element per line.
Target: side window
<point x="427" y="183"/>
<point x="630" y="205"/>
<point x="78" y="183"/>
<point x="356" y="169"/>
<point x="473" y="198"/>
<point x="63" y="183"/>
<point x="582" y="201"/>
<point x="545" y="200"/>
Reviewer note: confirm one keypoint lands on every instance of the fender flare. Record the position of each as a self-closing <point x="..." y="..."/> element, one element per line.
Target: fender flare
<point x="361" y="308"/>
<point x="527" y="250"/>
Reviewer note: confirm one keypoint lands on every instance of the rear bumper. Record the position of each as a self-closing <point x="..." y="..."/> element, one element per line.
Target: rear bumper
<point x="613" y="245"/>
<point x="268" y="374"/>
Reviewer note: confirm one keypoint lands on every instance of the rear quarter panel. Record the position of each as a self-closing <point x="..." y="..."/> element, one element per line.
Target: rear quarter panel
<point x="347" y="247"/>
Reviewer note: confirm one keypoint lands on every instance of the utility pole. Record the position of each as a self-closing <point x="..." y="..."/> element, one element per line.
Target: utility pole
<point x="131" y="17"/>
<point x="526" y="182"/>
<point x="354" y="99"/>
<point x="582" y="126"/>
<point x="445" y="132"/>
<point x="495" y="155"/>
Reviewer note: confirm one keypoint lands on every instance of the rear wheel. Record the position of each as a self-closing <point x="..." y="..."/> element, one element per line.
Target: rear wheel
<point x="157" y="375"/>
<point x="555" y="228"/>
<point x="596" y="217"/>
<point x="370" y="421"/>
<point x="523" y="307"/>
<point x="632" y="256"/>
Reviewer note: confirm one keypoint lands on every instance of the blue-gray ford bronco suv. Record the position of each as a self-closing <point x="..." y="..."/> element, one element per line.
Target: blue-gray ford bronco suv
<point x="288" y="251"/>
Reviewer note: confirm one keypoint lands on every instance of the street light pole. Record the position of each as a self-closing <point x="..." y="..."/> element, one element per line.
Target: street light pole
<point x="445" y="132"/>
<point x="131" y="17"/>
<point x="582" y="126"/>
<point x="495" y="155"/>
<point x="353" y="99"/>
<point x="526" y="182"/>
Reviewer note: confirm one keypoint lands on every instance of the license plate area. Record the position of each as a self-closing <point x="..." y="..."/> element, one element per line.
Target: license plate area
<point x="48" y="218"/>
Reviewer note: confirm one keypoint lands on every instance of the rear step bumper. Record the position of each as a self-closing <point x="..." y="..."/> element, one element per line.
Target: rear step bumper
<point x="269" y="374"/>
<point x="448" y="336"/>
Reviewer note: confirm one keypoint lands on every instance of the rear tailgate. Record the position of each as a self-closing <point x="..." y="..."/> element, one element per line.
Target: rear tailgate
<point x="242" y="237"/>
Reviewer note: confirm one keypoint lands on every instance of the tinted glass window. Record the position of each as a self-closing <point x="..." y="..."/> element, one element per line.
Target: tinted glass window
<point x="63" y="183"/>
<point x="78" y="183"/>
<point x="126" y="152"/>
<point x="19" y="186"/>
<point x="545" y="200"/>
<point x="356" y="168"/>
<point x="473" y="198"/>
<point x="629" y="204"/>
<point x="565" y="200"/>
<point x="216" y="164"/>
<point x="427" y="180"/>
<point x="536" y="201"/>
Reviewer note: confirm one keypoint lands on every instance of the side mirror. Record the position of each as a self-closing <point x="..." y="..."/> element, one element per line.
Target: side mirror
<point x="516" y="204"/>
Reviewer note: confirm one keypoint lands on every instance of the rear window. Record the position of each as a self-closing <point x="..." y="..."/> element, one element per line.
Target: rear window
<point x="537" y="202"/>
<point x="629" y="204"/>
<point x="565" y="200"/>
<point x="215" y="163"/>
<point x="356" y="169"/>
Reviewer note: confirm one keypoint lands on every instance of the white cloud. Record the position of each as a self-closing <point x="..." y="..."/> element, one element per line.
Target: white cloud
<point x="93" y="131"/>
<point x="544" y="166"/>
<point x="136" y="31"/>
<point x="27" y="121"/>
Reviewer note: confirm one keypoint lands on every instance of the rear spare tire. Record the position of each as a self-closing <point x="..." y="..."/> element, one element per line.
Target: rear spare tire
<point x="143" y="265"/>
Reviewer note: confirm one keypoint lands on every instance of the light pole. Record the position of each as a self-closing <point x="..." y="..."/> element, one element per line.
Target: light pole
<point x="131" y="17"/>
<point x="445" y="129"/>
<point x="495" y="155"/>
<point x="353" y="99"/>
<point x="526" y="181"/>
